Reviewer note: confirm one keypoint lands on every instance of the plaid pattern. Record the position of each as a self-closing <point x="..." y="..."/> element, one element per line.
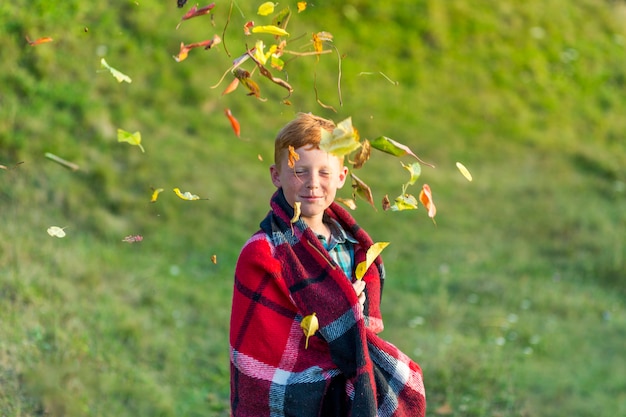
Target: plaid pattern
<point x="284" y="274"/>
<point x="340" y="247"/>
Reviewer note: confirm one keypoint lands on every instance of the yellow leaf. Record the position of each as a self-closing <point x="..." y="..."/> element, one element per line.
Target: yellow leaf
<point x="296" y="211"/>
<point x="132" y="138"/>
<point x="371" y="255"/>
<point x="348" y="202"/>
<point x="310" y="324"/>
<point x="266" y="8"/>
<point x="301" y="6"/>
<point x="155" y="194"/>
<point x="342" y="140"/>
<point x="271" y="29"/>
<point x="119" y="76"/>
<point x="404" y="202"/>
<point x="186" y="195"/>
<point x="56" y="231"/>
<point x="464" y="171"/>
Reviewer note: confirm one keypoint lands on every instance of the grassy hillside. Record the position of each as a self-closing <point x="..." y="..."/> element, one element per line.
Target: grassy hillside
<point x="513" y="303"/>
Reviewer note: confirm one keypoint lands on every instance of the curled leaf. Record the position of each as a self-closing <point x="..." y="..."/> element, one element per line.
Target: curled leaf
<point x="370" y="256"/>
<point x="362" y="190"/>
<point x="233" y="122"/>
<point x="390" y="146"/>
<point x="415" y="169"/>
<point x="362" y="155"/>
<point x="464" y="171"/>
<point x="309" y="324"/>
<point x="293" y="157"/>
<point x="426" y="198"/>
<point x="296" y="211"/>
<point x="214" y="259"/>
<point x="195" y="12"/>
<point x="404" y="202"/>
<point x="132" y="138"/>
<point x="155" y="194"/>
<point x="343" y="140"/>
<point x="348" y="202"/>
<point x="39" y="41"/>
<point x="186" y="195"/>
<point x="119" y="76"/>
<point x="386" y="203"/>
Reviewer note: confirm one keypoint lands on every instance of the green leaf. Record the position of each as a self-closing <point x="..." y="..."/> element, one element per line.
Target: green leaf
<point x="343" y="140"/>
<point x="132" y="138"/>
<point x="404" y="202"/>
<point x="392" y="147"/>
<point x="415" y="169"/>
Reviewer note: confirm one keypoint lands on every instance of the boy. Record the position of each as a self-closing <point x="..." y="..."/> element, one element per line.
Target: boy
<point x="291" y="269"/>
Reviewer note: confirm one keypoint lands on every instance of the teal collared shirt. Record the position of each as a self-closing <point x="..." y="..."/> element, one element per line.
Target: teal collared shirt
<point x="340" y="246"/>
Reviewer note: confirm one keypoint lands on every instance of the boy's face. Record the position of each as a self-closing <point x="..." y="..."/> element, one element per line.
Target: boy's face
<point x="313" y="181"/>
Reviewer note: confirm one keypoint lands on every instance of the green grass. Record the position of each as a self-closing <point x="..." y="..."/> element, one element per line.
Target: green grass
<point x="513" y="303"/>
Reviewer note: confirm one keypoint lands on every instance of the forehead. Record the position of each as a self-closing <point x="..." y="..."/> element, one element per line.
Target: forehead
<point x="312" y="155"/>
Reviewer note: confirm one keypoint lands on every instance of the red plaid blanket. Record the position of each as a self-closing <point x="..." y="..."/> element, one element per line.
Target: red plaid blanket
<point x="284" y="274"/>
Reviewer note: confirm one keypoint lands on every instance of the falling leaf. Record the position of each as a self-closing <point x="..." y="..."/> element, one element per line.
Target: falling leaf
<point x="415" y="169"/>
<point x="61" y="161"/>
<point x="231" y="87"/>
<point x="266" y="8"/>
<point x="404" y="202"/>
<point x="362" y="190"/>
<point x="282" y="18"/>
<point x="39" y="41"/>
<point x="464" y="171"/>
<point x="343" y="140"/>
<point x="233" y="122"/>
<point x="155" y="194"/>
<point x="132" y="138"/>
<point x="214" y="259"/>
<point x="181" y="3"/>
<point x="394" y="148"/>
<point x="296" y="211"/>
<point x="259" y="157"/>
<point x="426" y="198"/>
<point x="119" y="76"/>
<point x="186" y="195"/>
<point x="56" y="231"/>
<point x="309" y="324"/>
<point x="271" y="29"/>
<point x="370" y="256"/>
<point x="132" y="238"/>
<point x="244" y="77"/>
<point x="363" y="155"/>
<point x="206" y="44"/>
<point x="348" y="202"/>
<point x="301" y="6"/>
<point x="386" y="203"/>
<point x="293" y="157"/>
<point x="195" y="12"/>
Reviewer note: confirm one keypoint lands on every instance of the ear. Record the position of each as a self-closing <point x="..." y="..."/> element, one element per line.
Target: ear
<point x="275" y="174"/>
<point x="343" y="175"/>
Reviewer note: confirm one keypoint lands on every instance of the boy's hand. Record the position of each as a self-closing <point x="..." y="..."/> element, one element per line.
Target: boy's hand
<point x="359" y="287"/>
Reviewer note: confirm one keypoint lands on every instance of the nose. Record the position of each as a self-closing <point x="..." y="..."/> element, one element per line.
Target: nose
<point x="314" y="181"/>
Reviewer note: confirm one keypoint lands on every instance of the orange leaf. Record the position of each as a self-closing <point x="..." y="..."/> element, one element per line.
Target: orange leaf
<point x="426" y="198"/>
<point x="39" y="41"/>
<point x="231" y="87"/>
<point x="234" y="123"/>
<point x="293" y="157"/>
